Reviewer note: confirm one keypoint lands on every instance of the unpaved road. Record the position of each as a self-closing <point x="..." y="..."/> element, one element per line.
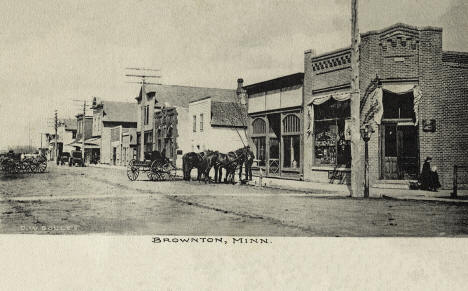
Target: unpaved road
<point x="102" y="200"/>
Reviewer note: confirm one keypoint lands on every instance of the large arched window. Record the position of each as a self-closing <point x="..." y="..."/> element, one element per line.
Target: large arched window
<point x="259" y="139"/>
<point x="291" y="141"/>
<point x="259" y="126"/>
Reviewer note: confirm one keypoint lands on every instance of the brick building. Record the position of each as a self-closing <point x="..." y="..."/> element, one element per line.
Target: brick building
<point x="413" y="94"/>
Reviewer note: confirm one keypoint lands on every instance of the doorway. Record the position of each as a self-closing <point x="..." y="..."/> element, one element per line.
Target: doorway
<point x="399" y="138"/>
<point x="274" y="134"/>
<point x="114" y="155"/>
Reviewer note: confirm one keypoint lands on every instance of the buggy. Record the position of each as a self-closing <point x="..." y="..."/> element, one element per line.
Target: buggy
<point x="157" y="167"/>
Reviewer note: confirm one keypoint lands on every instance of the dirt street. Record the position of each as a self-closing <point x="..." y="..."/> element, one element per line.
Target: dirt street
<point x="102" y="200"/>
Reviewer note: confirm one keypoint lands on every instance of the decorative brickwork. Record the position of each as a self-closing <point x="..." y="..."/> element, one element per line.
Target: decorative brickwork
<point x="402" y="54"/>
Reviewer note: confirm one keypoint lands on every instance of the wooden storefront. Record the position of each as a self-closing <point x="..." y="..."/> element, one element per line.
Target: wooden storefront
<point x="276" y="126"/>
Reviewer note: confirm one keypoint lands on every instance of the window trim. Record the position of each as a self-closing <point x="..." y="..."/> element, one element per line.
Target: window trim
<point x="201" y="121"/>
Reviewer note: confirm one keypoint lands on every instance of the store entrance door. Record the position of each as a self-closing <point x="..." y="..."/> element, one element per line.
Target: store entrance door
<point x="399" y="151"/>
<point x="274" y="138"/>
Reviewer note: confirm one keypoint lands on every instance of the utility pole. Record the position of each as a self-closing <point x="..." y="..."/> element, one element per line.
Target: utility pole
<point x="56" y="139"/>
<point x="83" y="121"/>
<point x="83" y="132"/>
<point x="356" y="146"/>
<point x="143" y="115"/>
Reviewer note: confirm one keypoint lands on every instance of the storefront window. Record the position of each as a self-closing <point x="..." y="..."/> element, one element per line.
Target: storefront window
<point x="331" y="148"/>
<point x="291" y="141"/>
<point x="291" y="151"/>
<point x="259" y="143"/>
<point x="259" y="140"/>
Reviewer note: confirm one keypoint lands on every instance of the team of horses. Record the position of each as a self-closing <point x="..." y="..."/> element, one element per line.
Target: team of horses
<point x="206" y="160"/>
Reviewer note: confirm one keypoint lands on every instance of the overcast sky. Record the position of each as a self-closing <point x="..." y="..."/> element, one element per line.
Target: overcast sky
<point x="55" y="51"/>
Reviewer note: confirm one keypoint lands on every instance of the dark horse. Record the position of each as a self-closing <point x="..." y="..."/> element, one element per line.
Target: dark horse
<point x="203" y="162"/>
<point x="230" y="162"/>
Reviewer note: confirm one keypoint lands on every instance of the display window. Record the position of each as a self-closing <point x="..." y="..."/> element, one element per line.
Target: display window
<point x="331" y="147"/>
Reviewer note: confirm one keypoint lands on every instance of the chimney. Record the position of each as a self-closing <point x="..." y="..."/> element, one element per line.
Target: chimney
<point x="241" y="93"/>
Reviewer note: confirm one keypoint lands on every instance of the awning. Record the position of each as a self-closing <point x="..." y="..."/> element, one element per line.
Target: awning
<point x="88" y="143"/>
<point x="374" y="109"/>
<point x="399" y="88"/>
<point x="320" y="99"/>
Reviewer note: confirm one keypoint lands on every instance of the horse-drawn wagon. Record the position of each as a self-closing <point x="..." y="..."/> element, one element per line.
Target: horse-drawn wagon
<point x="13" y="164"/>
<point x="156" y="166"/>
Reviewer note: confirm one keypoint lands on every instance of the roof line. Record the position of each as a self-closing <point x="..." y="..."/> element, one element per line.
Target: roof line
<point x="275" y="79"/>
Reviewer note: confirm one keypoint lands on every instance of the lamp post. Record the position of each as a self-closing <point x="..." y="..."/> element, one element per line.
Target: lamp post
<point x="366" y="132"/>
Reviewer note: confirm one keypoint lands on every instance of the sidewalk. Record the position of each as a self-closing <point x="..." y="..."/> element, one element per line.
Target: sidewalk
<point x="339" y="190"/>
<point x="420" y="195"/>
<point x="106" y="166"/>
<point x="313" y="188"/>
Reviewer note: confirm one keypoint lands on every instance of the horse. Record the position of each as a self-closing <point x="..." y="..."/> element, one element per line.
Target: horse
<point x="230" y="162"/>
<point x="208" y="161"/>
<point x="189" y="161"/>
<point x="203" y="161"/>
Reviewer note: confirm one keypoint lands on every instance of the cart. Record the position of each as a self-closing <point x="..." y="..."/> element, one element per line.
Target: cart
<point x="157" y="168"/>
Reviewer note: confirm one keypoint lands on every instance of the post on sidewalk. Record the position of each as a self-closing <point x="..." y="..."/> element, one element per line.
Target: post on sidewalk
<point x="455" y="182"/>
<point x="356" y="145"/>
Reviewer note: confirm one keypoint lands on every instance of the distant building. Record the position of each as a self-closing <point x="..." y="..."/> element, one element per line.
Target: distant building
<point x="108" y="115"/>
<point x="66" y="134"/>
<point x="163" y="106"/>
<point x="122" y="145"/>
<point x="85" y="132"/>
<point x="218" y="123"/>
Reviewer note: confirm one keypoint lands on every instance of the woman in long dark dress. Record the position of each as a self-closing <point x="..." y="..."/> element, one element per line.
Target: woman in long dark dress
<point x="429" y="178"/>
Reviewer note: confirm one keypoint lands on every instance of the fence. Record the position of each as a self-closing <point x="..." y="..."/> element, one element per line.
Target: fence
<point x="460" y="179"/>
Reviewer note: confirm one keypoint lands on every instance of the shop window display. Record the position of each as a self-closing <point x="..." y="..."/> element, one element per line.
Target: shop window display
<point x="331" y="147"/>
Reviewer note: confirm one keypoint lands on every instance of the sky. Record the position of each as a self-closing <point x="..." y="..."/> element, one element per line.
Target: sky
<point x="53" y="52"/>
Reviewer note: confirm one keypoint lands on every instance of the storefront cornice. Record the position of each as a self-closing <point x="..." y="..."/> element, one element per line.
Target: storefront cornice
<point x="331" y="89"/>
<point x="282" y="110"/>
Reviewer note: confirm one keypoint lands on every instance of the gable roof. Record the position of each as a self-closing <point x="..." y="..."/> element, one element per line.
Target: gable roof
<point x="69" y="123"/>
<point x="180" y="96"/>
<point x="230" y="114"/>
<point x="119" y="111"/>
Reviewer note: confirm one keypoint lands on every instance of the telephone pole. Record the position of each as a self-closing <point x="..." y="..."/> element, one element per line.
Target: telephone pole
<point x="56" y="139"/>
<point x="356" y="145"/>
<point x="83" y="121"/>
<point x="83" y="132"/>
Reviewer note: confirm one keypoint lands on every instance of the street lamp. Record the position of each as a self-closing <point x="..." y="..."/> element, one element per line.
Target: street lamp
<point x="366" y="132"/>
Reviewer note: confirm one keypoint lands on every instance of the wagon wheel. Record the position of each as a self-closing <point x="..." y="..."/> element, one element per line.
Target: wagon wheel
<point x="33" y="167"/>
<point x="151" y="175"/>
<point x="169" y="171"/>
<point x="27" y="168"/>
<point x="42" y="167"/>
<point x="132" y="172"/>
<point x="155" y="171"/>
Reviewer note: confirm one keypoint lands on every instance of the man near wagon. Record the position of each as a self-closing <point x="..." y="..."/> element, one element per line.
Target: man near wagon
<point x="248" y="163"/>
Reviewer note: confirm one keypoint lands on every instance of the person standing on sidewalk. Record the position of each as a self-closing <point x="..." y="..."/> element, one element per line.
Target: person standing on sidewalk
<point x="429" y="177"/>
<point x="248" y="164"/>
